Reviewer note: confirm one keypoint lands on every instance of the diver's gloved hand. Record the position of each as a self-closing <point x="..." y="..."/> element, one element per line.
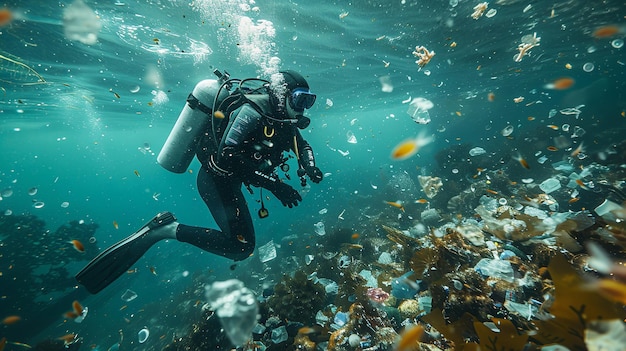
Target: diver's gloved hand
<point x="286" y="194"/>
<point x="314" y="173"/>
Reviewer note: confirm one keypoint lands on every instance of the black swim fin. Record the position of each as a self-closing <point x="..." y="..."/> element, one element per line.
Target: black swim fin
<point x="117" y="259"/>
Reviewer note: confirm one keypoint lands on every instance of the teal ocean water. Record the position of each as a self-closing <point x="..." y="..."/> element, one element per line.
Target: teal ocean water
<point x="86" y="105"/>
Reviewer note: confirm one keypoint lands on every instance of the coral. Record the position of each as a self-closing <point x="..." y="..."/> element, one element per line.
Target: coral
<point x="297" y="298"/>
<point x="424" y="55"/>
<point x="409" y="308"/>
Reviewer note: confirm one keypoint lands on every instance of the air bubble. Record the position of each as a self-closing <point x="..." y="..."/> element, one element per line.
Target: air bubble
<point x="617" y="43"/>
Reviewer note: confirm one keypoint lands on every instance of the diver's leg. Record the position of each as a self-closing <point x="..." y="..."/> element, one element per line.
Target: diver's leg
<point x="228" y="206"/>
<point x="117" y="259"/>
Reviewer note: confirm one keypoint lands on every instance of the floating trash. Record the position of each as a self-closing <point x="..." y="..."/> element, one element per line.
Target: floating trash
<point x="32" y="191"/>
<point x="330" y="286"/>
<point x="386" y="85"/>
<point x="128" y="295"/>
<point x="237" y="308"/>
<point x="7" y="192"/>
<point x="403" y="287"/>
<point x="8" y="212"/>
<point x="279" y="334"/>
<point x="491" y="13"/>
<point x="81" y="23"/>
<point x="508" y="130"/>
<point x="39" y="204"/>
<point x="143" y="335"/>
<point x="552" y="113"/>
<point x="308" y="259"/>
<point x="496" y="268"/>
<point x="351" y="137"/>
<point x="549" y="185"/>
<point x="319" y="228"/>
<point x="323" y="211"/>
<point x="578" y="132"/>
<point x="572" y="110"/>
<point x="267" y="252"/>
<point x="344" y="262"/>
<point x="477" y="151"/>
<point x="418" y="110"/>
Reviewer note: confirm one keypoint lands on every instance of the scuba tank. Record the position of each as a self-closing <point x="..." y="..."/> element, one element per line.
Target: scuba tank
<point x="181" y="144"/>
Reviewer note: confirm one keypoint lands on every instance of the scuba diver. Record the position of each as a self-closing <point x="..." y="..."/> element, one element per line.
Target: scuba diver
<point x="241" y="132"/>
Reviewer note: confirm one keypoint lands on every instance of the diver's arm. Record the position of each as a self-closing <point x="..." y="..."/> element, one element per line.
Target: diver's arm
<point x="306" y="158"/>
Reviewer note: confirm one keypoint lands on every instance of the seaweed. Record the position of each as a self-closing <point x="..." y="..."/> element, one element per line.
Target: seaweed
<point x="297" y="298"/>
<point x="574" y="307"/>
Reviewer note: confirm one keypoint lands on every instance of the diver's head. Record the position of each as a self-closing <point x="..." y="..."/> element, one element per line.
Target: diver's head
<point x="298" y="94"/>
<point x="296" y="97"/>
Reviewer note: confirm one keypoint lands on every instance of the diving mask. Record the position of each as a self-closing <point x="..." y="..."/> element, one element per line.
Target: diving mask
<point x="301" y="99"/>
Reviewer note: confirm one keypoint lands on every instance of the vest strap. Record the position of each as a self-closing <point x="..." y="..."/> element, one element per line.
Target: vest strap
<point x="195" y="104"/>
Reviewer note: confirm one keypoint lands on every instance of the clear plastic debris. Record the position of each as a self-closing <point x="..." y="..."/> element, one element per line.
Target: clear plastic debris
<point x="320" y="229"/>
<point x="572" y="110"/>
<point x="552" y="113"/>
<point x="330" y="286"/>
<point x="129" y="295"/>
<point x="425" y="303"/>
<point x="236" y="307"/>
<point x="81" y="23"/>
<point x="344" y="261"/>
<point x="508" y="130"/>
<point x="578" y="132"/>
<point x="385" y="258"/>
<point x="143" y="335"/>
<point x="418" y="110"/>
<point x="549" y="185"/>
<point x="267" y="252"/>
<point x="259" y="329"/>
<point x="279" y="334"/>
<point x="323" y="211"/>
<point x="495" y="268"/>
<point x="321" y="319"/>
<point x="308" y="259"/>
<point x="477" y="151"/>
<point x="351" y="137"/>
<point x="385" y="84"/>
<point x="371" y="281"/>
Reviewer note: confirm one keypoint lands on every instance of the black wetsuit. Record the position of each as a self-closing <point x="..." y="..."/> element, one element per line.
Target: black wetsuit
<point x="250" y="150"/>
